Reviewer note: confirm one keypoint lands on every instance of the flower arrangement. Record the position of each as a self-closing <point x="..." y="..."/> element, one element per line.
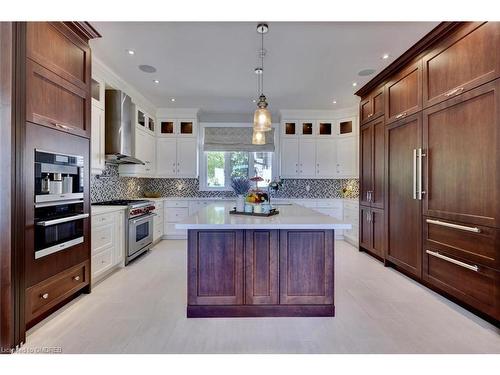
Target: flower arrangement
<point x="240" y="185"/>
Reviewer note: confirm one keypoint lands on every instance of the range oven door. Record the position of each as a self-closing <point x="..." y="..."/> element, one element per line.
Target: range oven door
<point x="140" y="233"/>
<point x="58" y="227"/>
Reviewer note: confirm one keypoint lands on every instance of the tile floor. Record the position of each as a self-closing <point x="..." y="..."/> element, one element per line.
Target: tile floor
<point x="141" y="309"/>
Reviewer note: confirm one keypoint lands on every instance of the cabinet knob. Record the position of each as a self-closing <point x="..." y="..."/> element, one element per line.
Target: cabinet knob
<point x="45" y="295"/>
<point x="76" y="278"/>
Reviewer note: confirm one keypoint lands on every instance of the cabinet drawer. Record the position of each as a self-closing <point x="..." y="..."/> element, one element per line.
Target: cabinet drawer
<point x="48" y="293"/>
<point x="177" y="204"/>
<point x="467" y="59"/>
<point x="478" y="288"/>
<point x="102" y="262"/>
<point x="103" y="237"/>
<point x="176" y="214"/>
<point x="102" y="219"/>
<point x="54" y="102"/>
<point x="474" y="243"/>
<point x="159" y="216"/>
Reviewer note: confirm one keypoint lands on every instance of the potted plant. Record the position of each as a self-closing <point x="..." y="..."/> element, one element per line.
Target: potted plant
<point x="240" y="186"/>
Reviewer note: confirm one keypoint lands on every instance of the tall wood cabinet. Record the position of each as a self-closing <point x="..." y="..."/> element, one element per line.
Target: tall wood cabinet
<point x="45" y="79"/>
<point x="441" y="163"/>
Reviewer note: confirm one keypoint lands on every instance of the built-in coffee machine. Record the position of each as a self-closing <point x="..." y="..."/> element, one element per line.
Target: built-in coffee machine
<point x="59" y="206"/>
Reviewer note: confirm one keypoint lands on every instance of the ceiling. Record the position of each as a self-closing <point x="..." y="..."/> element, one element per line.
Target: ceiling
<point x="210" y="65"/>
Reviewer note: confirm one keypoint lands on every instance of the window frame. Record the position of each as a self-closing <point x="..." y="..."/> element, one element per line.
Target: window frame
<point x="203" y="185"/>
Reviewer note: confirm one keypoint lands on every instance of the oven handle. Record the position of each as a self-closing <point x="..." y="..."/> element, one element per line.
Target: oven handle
<point x="143" y="218"/>
<point x="62" y="220"/>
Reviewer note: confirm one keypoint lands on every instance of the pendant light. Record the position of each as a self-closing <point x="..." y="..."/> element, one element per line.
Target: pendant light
<point x="258" y="138"/>
<point x="262" y="116"/>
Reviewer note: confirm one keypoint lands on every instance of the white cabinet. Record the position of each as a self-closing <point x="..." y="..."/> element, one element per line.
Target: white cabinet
<point x="319" y="149"/>
<point x="187" y="157"/>
<point x="307" y="157"/>
<point x="177" y="157"/>
<point x="326" y="158"/>
<point x="97" y="139"/>
<point x="351" y="216"/>
<point x="175" y="211"/>
<point x="158" y="221"/>
<point x="166" y="157"/>
<point x="144" y="150"/>
<point x="347" y="165"/>
<point x="289" y="157"/>
<point x="298" y="157"/>
<point x="108" y="243"/>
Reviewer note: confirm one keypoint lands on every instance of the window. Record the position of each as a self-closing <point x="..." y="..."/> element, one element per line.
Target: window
<point x="220" y="167"/>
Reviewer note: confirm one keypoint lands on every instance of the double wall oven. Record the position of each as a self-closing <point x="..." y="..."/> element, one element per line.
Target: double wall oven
<point x="59" y="203"/>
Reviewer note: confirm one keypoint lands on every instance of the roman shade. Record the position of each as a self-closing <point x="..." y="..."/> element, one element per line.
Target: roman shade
<point x="235" y="139"/>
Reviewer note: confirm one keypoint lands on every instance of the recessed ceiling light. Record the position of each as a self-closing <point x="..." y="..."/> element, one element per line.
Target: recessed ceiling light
<point x="334" y="102"/>
<point x="156" y="81"/>
<point x="354" y="84"/>
<point x="258" y="70"/>
<point x="131" y="52"/>
<point x="172" y="99"/>
<point x="385" y="56"/>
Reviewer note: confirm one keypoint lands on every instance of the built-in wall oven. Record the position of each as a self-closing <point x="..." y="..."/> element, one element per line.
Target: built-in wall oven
<point x="59" y="205"/>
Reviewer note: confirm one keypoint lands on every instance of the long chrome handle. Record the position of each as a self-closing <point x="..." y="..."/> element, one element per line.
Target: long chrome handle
<point x="454" y="226"/>
<point x="414" y="173"/>
<point x="454" y="261"/>
<point x="401" y="115"/>
<point x="62" y="220"/>
<point x="144" y="218"/>
<point x="420" y="156"/>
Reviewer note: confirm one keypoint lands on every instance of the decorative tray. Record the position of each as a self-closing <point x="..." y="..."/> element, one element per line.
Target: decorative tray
<point x="272" y="212"/>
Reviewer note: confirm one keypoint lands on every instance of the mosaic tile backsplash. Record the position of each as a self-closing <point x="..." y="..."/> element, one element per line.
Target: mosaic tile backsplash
<point x="110" y="186"/>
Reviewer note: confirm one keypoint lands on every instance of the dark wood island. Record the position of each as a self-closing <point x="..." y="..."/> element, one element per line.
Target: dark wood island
<point x="241" y="266"/>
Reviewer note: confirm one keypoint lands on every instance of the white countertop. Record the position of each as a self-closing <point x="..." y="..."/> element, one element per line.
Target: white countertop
<point x="216" y="216"/>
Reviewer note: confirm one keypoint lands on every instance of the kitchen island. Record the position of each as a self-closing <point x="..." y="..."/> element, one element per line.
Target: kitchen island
<point x="246" y="266"/>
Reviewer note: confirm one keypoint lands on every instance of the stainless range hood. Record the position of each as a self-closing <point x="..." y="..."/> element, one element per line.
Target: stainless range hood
<point x="119" y="128"/>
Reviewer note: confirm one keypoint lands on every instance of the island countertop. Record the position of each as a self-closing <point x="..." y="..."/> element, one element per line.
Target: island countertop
<point x="291" y="216"/>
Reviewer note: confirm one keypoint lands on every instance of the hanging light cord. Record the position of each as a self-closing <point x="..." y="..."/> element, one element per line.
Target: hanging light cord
<point x="262" y="62"/>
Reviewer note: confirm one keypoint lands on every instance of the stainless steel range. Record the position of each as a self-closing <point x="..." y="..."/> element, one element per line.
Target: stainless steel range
<point x="139" y="236"/>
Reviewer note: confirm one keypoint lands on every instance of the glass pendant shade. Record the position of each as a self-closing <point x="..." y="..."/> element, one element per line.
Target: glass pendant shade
<point x="258" y="138"/>
<point x="262" y="120"/>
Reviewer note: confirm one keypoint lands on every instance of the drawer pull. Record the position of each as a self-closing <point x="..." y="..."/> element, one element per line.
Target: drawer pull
<point x="45" y="295"/>
<point x="454" y="91"/>
<point x="370" y="115"/>
<point x="454" y="226"/>
<point x="76" y="278"/>
<point x="454" y="261"/>
<point x="401" y="115"/>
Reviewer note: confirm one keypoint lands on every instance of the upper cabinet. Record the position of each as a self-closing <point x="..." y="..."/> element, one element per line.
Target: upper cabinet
<point x="466" y="60"/>
<point x="319" y="148"/>
<point x="57" y="78"/>
<point x="403" y="93"/>
<point x="178" y="127"/>
<point x="144" y="121"/>
<point x="372" y="106"/>
<point x="98" y="88"/>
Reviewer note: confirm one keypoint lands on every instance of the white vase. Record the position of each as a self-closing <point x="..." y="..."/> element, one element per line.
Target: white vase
<point x="240" y="203"/>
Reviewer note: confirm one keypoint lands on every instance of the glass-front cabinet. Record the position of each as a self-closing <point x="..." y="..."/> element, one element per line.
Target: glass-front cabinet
<point x="325" y="128"/>
<point x="345" y="127"/>
<point x="144" y="120"/>
<point x="178" y="127"/>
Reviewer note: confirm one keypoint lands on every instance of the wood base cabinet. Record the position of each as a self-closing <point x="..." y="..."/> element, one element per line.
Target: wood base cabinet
<point x="372" y="230"/>
<point x="235" y="273"/>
